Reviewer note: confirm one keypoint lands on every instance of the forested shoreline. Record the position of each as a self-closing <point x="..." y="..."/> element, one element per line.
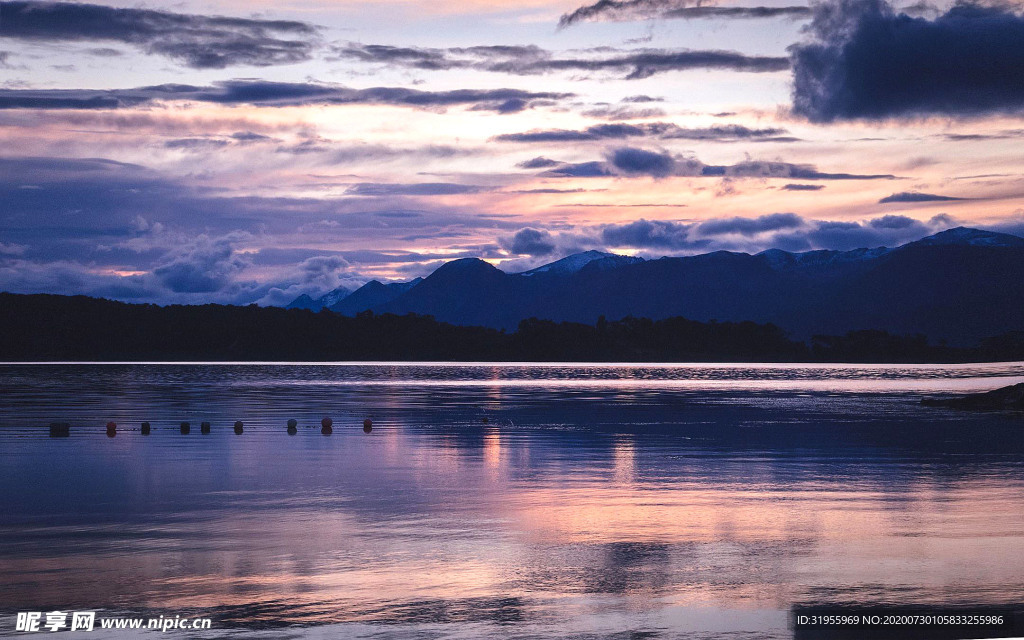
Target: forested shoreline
<point x="77" y="328"/>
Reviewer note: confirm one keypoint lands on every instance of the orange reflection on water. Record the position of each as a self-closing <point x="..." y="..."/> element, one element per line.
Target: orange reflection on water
<point x="683" y="542"/>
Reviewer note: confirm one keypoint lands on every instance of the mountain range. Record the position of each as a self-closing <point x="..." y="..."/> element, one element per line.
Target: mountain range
<point x="957" y="286"/>
<point x="351" y="301"/>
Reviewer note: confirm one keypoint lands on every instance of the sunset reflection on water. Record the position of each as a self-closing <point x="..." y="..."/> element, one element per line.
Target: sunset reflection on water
<point x="569" y="512"/>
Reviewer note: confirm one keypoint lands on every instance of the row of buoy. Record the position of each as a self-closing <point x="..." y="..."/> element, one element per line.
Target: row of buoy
<point x="63" y="429"/>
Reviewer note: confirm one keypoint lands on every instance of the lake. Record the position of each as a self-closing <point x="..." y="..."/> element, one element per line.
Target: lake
<point x="505" y="501"/>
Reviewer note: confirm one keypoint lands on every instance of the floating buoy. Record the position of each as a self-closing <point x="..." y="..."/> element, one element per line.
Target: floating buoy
<point x="486" y="420"/>
<point x="238" y="427"/>
<point x="293" y="427"/>
<point x="111" y="429"/>
<point x="326" y="423"/>
<point x="326" y="430"/>
<point x="204" y="427"/>
<point x="60" y="429"/>
<point x="145" y="428"/>
<point x="367" y="425"/>
<point x="185" y="428"/>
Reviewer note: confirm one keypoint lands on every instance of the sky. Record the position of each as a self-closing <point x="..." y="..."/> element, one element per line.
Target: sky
<point x="249" y="152"/>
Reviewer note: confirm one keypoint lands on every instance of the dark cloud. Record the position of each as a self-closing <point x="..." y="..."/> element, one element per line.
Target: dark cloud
<point x="512" y="105"/>
<point x="415" y="57"/>
<point x="318" y="267"/>
<point x="205" y="266"/>
<point x="641" y="99"/>
<point x="398" y="214"/>
<point x="619" y="9"/>
<point x="201" y="42"/>
<point x="649" y="234"/>
<point x="528" y="241"/>
<point x="433" y="59"/>
<point x="775" y="169"/>
<point x="690" y="13"/>
<point x="750" y="226"/>
<point x="622" y="10"/>
<point x="630" y="161"/>
<point x="196" y="144"/>
<point x="884" y="231"/>
<point x="803" y="187"/>
<point x="845" y="235"/>
<point x="779" y="231"/>
<point x="540" y="162"/>
<point x="249" y="136"/>
<point x="970" y="137"/>
<point x="595" y="169"/>
<point x="1008" y="134"/>
<point x="657" y="130"/>
<point x="529" y="60"/>
<point x="893" y="222"/>
<point x="67" y="99"/>
<point x="865" y="61"/>
<point x="415" y="189"/>
<point x="500" y="51"/>
<point x="622" y="112"/>
<point x="286" y="94"/>
<point x="362" y="153"/>
<point x="264" y="93"/>
<point x="914" y="196"/>
<point x="983" y="176"/>
<point x="644" y="63"/>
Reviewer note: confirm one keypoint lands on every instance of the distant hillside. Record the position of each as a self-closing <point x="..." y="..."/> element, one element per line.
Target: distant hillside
<point x="371" y="295"/>
<point x="349" y="302"/>
<point x="305" y="301"/>
<point x="47" y="328"/>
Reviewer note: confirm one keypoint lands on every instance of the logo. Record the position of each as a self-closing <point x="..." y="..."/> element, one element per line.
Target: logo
<point x="31" y="621"/>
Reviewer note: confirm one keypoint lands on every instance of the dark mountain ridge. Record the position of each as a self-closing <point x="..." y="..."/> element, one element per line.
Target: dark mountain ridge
<point x="958" y="286"/>
<point x="371" y="294"/>
<point x="306" y="301"/>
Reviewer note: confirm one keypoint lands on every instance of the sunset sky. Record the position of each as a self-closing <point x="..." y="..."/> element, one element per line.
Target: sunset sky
<point x="241" y="152"/>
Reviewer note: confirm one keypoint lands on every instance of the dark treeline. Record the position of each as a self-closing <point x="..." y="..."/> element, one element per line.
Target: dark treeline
<point x="48" y="327"/>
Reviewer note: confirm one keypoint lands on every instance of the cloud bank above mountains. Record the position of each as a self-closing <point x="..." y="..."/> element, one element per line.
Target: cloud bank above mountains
<point x="171" y="154"/>
<point x="270" y="250"/>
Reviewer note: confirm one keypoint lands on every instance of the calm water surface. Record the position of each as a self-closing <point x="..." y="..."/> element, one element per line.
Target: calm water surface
<point x="511" y="501"/>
